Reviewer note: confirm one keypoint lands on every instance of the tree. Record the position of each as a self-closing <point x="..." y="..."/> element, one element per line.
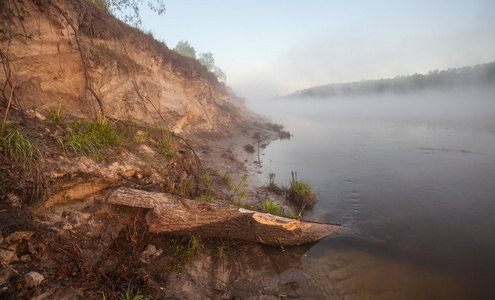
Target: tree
<point x="207" y="60"/>
<point x="128" y="10"/>
<point x="184" y="48"/>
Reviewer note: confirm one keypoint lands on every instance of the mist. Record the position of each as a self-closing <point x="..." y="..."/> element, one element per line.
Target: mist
<point x="472" y="108"/>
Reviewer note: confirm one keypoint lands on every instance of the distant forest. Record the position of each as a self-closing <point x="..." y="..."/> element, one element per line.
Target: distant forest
<point x="479" y="75"/>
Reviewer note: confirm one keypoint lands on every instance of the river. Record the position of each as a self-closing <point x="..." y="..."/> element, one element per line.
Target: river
<point x="412" y="180"/>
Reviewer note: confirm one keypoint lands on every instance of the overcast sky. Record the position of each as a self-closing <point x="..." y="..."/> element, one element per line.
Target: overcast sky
<point x="274" y="47"/>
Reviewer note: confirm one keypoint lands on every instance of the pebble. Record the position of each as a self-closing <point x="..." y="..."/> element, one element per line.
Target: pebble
<point x="33" y="279"/>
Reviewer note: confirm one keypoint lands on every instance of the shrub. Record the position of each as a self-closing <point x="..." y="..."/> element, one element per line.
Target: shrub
<point x="300" y="192"/>
<point x="238" y="191"/>
<point x="249" y="148"/>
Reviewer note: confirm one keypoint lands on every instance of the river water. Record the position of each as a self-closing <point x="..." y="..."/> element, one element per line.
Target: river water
<point x="411" y="179"/>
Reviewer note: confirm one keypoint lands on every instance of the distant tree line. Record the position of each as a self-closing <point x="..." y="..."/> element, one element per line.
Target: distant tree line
<point x="206" y="59"/>
<point x="479" y="75"/>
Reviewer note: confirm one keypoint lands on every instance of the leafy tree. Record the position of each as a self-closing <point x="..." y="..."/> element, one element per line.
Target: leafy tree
<point x="184" y="48"/>
<point x="128" y="10"/>
<point x="208" y="61"/>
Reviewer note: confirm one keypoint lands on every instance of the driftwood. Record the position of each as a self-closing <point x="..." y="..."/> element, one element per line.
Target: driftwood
<point x="175" y="215"/>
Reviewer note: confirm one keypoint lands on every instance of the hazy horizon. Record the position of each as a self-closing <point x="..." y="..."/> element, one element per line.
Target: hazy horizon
<point x="276" y="47"/>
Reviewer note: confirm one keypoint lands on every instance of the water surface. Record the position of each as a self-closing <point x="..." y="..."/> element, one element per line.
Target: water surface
<point x="411" y="178"/>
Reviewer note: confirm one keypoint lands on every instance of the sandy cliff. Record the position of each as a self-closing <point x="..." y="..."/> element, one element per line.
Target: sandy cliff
<point x="74" y="50"/>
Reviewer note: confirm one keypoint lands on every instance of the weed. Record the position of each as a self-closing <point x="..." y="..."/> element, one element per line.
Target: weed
<point x="221" y="251"/>
<point x="204" y="198"/>
<point x="129" y="294"/>
<point x="272" y="207"/>
<point x="16" y="146"/>
<point x="253" y="207"/>
<point x="103" y="47"/>
<point x="238" y="191"/>
<point x="235" y="202"/>
<point x="184" y="253"/>
<point x="163" y="146"/>
<point x="209" y="193"/>
<point x="301" y="192"/>
<point x="55" y="117"/>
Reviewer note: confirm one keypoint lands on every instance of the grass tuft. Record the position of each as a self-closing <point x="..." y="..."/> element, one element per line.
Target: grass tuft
<point x="272" y="207"/>
<point x="87" y="138"/>
<point x="16" y="146"/>
<point x="300" y="192"/>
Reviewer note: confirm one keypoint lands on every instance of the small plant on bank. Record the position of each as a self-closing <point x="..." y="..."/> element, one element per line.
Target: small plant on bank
<point x="87" y="138"/>
<point x="186" y="252"/>
<point x="272" y="207"/>
<point x="271" y="177"/>
<point x="129" y="294"/>
<point x="249" y="148"/>
<point x="55" y="117"/>
<point x="300" y="192"/>
<point x="279" y="128"/>
<point x="209" y="193"/>
<point x="163" y="146"/>
<point x="17" y="147"/>
<point x="103" y="47"/>
<point x="235" y="202"/>
<point x="239" y="190"/>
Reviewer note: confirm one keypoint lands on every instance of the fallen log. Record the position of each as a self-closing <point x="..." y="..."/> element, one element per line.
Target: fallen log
<point x="175" y="215"/>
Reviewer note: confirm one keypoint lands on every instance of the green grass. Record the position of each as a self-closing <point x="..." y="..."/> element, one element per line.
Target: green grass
<point x="54" y="117"/>
<point x="129" y="294"/>
<point x="103" y="47"/>
<point x="239" y="190"/>
<point x="235" y="202"/>
<point x="88" y="137"/>
<point x="301" y="192"/>
<point x="270" y="206"/>
<point x="17" y="147"/>
<point x="185" y="252"/>
<point x="163" y="146"/>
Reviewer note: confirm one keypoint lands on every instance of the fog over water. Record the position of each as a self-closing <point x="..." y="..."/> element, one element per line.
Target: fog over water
<point x="473" y="108"/>
<point x="409" y="176"/>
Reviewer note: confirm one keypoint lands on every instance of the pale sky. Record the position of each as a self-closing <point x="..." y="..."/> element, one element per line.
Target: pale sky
<point x="275" y="47"/>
